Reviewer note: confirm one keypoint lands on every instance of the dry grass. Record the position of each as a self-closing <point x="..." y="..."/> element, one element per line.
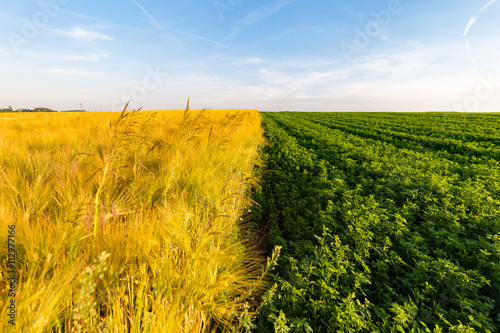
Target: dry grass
<point x="128" y="222"/>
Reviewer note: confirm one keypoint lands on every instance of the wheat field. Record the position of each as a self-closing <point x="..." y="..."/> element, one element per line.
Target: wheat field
<point x="129" y="222"/>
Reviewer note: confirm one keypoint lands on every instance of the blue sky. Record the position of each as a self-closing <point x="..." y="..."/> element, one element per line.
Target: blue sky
<point x="394" y="55"/>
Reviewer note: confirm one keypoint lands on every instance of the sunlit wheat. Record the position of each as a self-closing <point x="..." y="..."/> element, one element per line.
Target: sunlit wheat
<point x="159" y="193"/>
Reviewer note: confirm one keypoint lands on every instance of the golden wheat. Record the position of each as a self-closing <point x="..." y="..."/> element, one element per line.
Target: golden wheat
<point x="128" y="222"/>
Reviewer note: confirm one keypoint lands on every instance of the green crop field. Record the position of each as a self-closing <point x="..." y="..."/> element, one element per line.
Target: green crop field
<point x="388" y="222"/>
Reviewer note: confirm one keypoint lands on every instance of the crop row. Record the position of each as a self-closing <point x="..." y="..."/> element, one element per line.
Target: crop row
<point x="477" y="129"/>
<point x="447" y="142"/>
<point x="377" y="235"/>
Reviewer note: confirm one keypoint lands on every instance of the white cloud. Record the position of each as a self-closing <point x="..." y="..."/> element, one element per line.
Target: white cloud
<point x="76" y="72"/>
<point x="241" y="61"/>
<point x="311" y="63"/>
<point x="87" y="57"/>
<point x="65" y="57"/>
<point x="83" y="34"/>
<point x="417" y="78"/>
<point x="310" y="83"/>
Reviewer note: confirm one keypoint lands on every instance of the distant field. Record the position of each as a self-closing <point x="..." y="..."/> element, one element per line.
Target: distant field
<point x="388" y="222"/>
<point x="127" y="222"/>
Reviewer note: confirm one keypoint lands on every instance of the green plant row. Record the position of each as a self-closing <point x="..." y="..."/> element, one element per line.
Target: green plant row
<point x="463" y="148"/>
<point x="460" y="126"/>
<point x="376" y="236"/>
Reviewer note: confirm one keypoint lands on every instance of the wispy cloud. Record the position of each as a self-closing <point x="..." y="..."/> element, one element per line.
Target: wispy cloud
<point x="232" y="61"/>
<point x="66" y="57"/>
<point x="258" y="16"/>
<point x="93" y="18"/>
<point x="101" y="21"/>
<point x="471" y="22"/>
<point x="75" y="72"/>
<point x="83" y="34"/>
<point x="307" y="83"/>
<point x="395" y="65"/>
<point x="381" y="80"/>
<point x="311" y="63"/>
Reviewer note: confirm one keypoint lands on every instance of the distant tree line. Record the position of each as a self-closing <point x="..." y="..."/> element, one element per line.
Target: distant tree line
<point x="37" y="109"/>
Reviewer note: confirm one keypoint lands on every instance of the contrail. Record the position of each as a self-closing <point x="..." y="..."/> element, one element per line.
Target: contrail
<point x="471" y="22"/>
<point x="155" y="23"/>
<point x="158" y="26"/>
<point x="81" y="15"/>
<point x="203" y="39"/>
<point x="258" y="16"/>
